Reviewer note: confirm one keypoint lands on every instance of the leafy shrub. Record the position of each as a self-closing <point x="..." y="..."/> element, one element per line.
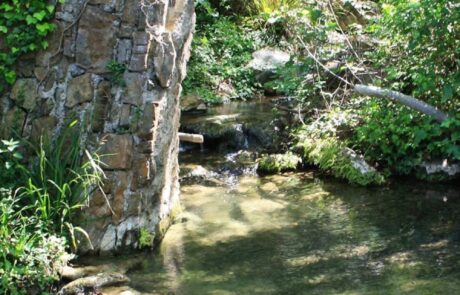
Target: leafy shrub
<point x="220" y="52"/>
<point x="29" y="257"/>
<point x="421" y="55"/>
<point x="400" y="139"/>
<point x="11" y="170"/>
<point x="23" y="26"/>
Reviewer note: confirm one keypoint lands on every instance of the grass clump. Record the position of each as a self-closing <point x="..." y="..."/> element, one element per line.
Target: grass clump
<point x="39" y="200"/>
<point x="146" y="238"/>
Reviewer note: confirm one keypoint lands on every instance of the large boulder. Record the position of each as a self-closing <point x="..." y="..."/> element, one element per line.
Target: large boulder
<point x="219" y="131"/>
<point x="192" y="103"/>
<point x="266" y="61"/>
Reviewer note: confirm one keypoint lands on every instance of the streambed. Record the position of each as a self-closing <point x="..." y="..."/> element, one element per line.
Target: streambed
<point x="296" y="233"/>
<point x="300" y="234"/>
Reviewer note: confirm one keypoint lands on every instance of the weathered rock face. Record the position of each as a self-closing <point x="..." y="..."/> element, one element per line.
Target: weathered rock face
<point x="134" y="124"/>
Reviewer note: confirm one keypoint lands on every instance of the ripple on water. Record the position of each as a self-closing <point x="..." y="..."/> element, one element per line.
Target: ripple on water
<point x="294" y="234"/>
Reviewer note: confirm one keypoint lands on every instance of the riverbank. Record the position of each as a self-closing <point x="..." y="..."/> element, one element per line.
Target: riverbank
<point x="313" y="55"/>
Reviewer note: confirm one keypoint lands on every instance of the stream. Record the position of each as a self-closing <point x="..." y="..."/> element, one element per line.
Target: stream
<point x="299" y="233"/>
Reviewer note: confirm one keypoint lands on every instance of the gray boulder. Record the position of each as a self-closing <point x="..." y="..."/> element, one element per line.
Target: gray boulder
<point x="265" y="61"/>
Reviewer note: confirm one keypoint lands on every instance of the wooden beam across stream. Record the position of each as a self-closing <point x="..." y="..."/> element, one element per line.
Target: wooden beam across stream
<point x="192" y="138"/>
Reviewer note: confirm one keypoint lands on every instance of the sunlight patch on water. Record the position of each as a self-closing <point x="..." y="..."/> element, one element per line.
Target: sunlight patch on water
<point x="294" y="234"/>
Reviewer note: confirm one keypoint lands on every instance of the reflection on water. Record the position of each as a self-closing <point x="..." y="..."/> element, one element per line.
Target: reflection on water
<point x="295" y="234"/>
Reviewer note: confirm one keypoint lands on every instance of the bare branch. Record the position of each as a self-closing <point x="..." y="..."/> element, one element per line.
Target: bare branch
<point x="406" y="100"/>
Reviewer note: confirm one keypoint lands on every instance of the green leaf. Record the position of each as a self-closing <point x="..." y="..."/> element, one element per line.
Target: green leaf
<point x="30" y="20"/>
<point x="44" y="44"/>
<point x="18" y="156"/>
<point x="40" y="15"/>
<point x="6" y="7"/>
<point x="447" y="93"/>
<point x="44" y="28"/>
<point x="10" y="76"/>
<point x="420" y="135"/>
<point x="3" y="29"/>
<point x="50" y="8"/>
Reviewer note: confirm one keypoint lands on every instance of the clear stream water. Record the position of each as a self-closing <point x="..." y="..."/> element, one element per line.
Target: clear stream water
<point x="299" y="234"/>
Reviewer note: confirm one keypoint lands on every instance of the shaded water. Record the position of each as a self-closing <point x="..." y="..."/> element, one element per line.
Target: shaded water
<point x="297" y="234"/>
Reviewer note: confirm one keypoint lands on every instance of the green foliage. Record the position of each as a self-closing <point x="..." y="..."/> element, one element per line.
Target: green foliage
<point x="220" y="51"/>
<point x="117" y="70"/>
<point x="422" y="51"/>
<point x="24" y="24"/>
<point x="420" y="56"/>
<point x="35" y="220"/>
<point x="270" y="6"/>
<point x="272" y="164"/>
<point x="59" y="181"/>
<point x="29" y="257"/>
<point x="302" y="78"/>
<point x="400" y="139"/>
<point x="11" y="171"/>
<point x="146" y="238"/>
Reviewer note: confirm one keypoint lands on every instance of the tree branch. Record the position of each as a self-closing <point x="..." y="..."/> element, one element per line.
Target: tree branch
<point x="406" y="100"/>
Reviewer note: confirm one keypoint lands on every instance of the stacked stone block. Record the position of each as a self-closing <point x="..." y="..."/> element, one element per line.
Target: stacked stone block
<point x="134" y="125"/>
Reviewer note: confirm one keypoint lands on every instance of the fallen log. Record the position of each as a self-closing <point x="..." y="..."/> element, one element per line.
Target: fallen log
<point x="406" y="100"/>
<point x="192" y="138"/>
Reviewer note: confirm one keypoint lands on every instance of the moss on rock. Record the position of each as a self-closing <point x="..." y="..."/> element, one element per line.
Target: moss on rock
<point x="332" y="156"/>
<point x="276" y="163"/>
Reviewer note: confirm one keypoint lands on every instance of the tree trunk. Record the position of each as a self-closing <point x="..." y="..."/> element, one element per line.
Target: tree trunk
<point x="406" y="100"/>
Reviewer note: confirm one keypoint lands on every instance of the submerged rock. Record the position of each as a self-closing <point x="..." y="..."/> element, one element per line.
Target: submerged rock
<point x="92" y="283"/>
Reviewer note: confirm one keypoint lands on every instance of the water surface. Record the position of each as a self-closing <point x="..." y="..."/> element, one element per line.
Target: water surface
<point x="298" y="234"/>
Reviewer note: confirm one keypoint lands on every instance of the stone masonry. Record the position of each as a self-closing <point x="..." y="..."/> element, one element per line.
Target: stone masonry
<point x="134" y="125"/>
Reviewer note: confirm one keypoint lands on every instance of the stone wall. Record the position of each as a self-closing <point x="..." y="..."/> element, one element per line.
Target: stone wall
<point x="134" y="124"/>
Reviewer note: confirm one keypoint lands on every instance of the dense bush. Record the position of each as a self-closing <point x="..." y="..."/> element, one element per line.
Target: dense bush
<point x="421" y="54"/>
<point x="220" y="52"/>
<point x="400" y="139"/>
